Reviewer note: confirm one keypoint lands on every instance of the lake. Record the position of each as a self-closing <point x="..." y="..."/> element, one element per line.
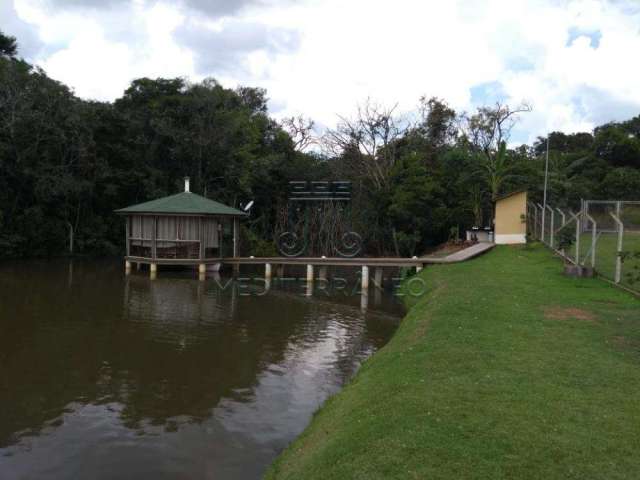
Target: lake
<point x="104" y="375"/>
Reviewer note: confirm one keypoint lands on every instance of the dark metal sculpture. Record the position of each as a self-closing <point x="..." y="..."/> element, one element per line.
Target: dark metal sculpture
<point x="318" y="217"/>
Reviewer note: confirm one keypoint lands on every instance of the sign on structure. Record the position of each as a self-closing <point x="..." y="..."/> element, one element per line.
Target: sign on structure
<point x="317" y="221"/>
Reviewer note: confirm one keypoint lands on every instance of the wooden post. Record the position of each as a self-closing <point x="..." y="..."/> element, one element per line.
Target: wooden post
<point x="127" y="267"/>
<point x="153" y="271"/>
<point x="377" y="277"/>
<point x="201" y="237"/>
<point x="267" y="271"/>
<point x="236" y="234"/>
<point x="377" y="295"/>
<point x="127" y="228"/>
<point x="309" y="273"/>
<point x="153" y="238"/>
<point x="322" y="273"/>
<point x="365" y="277"/>
<point x="280" y="271"/>
<point x="364" y="299"/>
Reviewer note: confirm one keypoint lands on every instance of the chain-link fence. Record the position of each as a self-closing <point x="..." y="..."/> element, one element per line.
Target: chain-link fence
<point x="603" y="235"/>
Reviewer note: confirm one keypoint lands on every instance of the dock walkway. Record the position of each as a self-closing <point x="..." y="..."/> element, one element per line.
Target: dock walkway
<point x="462" y="255"/>
<point x="378" y="263"/>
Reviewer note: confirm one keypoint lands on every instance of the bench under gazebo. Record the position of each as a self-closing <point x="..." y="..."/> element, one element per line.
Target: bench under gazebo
<point x="181" y="229"/>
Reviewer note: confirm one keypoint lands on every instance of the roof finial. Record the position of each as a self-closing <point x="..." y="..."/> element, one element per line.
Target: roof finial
<point x="186" y="184"/>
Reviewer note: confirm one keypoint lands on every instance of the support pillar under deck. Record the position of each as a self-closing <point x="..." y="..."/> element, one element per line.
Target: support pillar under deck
<point x="365" y="277"/>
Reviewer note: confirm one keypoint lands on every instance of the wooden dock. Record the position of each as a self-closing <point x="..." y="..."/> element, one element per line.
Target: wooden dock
<point x="327" y="261"/>
<point x="460" y="256"/>
<point x="365" y="263"/>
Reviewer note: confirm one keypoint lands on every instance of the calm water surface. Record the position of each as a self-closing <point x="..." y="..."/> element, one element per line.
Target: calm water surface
<point x="107" y="376"/>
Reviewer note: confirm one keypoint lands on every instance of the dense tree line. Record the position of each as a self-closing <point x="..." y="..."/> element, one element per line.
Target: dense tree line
<point x="67" y="163"/>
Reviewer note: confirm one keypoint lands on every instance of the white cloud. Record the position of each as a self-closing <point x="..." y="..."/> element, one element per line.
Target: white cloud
<point x="100" y="52"/>
<point x="321" y="57"/>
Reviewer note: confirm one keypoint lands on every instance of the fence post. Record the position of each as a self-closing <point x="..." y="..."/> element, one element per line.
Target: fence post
<point x="564" y="218"/>
<point x="593" y="239"/>
<point x="564" y="221"/>
<point x="530" y="220"/>
<point x="541" y="223"/>
<point x="619" y="247"/>
<point x="551" y="227"/>
<point x="577" y="219"/>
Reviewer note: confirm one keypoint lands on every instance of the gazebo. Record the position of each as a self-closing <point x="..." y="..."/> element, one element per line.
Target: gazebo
<point x="181" y="229"/>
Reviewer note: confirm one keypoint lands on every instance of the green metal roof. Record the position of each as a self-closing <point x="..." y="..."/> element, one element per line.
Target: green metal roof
<point x="183" y="203"/>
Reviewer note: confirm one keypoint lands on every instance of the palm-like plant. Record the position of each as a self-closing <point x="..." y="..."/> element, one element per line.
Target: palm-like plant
<point x="476" y="203"/>
<point x="496" y="170"/>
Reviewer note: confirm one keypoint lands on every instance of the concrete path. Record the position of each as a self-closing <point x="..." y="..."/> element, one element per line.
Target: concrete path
<point x="462" y="255"/>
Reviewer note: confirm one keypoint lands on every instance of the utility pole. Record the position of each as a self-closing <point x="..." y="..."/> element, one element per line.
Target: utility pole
<point x="546" y="178"/>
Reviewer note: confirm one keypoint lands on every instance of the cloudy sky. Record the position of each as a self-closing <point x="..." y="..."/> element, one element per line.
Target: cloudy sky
<point x="575" y="61"/>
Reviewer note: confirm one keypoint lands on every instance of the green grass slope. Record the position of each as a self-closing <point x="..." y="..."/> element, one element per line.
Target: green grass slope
<point x="505" y="369"/>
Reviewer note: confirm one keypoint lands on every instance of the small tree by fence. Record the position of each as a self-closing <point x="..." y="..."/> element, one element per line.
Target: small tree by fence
<point x="604" y="235"/>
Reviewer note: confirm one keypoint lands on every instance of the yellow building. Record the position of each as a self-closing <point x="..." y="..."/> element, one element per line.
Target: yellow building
<point x="511" y="218"/>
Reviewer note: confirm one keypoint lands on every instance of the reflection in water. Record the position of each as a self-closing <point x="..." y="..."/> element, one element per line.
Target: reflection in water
<point x="107" y="376"/>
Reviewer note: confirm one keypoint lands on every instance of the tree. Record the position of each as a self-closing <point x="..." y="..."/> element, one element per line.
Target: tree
<point x="617" y="145"/>
<point x="438" y="123"/>
<point x="574" y="144"/>
<point x="490" y="126"/>
<point x="414" y="204"/>
<point x="368" y="141"/>
<point x="496" y="170"/>
<point x="622" y="184"/>
<point x="67" y="163"/>
<point x="45" y="147"/>
<point x="488" y="131"/>
<point x="8" y="46"/>
<point x="300" y="129"/>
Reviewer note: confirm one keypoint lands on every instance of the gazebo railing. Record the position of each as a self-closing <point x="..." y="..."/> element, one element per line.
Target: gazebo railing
<point x="140" y="247"/>
<point x="174" y="238"/>
<point x="178" y="249"/>
<point x="165" y="248"/>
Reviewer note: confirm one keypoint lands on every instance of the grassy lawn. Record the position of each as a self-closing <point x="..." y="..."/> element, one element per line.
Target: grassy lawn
<point x="505" y="369"/>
